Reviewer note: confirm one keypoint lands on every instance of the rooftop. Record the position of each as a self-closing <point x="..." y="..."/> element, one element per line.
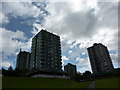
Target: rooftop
<point x="46" y="32"/>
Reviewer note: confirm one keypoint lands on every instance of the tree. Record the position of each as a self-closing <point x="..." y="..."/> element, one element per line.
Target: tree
<point x="87" y="75"/>
<point x="10" y="68"/>
<point x="76" y="77"/>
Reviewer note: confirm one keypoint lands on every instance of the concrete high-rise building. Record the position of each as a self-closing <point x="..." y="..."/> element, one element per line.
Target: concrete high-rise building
<point x="46" y="52"/>
<point x="99" y="58"/>
<point x="23" y="60"/>
<point x="70" y="69"/>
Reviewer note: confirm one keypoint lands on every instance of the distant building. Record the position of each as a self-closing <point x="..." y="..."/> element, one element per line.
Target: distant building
<point x="46" y="52"/>
<point x="99" y="58"/>
<point x="70" y="69"/>
<point x="23" y="60"/>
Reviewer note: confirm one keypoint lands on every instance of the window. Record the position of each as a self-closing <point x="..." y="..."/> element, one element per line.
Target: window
<point x="33" y="65"/>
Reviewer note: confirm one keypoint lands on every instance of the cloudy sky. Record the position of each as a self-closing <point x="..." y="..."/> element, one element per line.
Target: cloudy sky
<point x="79" y="24"/>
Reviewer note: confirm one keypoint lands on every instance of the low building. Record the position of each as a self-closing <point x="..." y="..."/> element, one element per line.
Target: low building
<point x="70" y="69"/>
<point x="23" y="61"/>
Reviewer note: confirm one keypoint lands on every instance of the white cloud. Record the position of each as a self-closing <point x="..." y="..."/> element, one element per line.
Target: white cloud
<point x="82" y="61"/>
<point x="10" y="42"/>
<point x="83" y="23"/>
<point x="24" y="10"/>
<point x="85" y="26"/>
<point x="76" y="51"/>
<point x="70" y="51"/>
<point x="83" y="69"/>
<point x="36" y="28"/>
<point x="106" y="36"/>
<point x="83" y="53"/>
<point x="64" y="58"/>
<point x="115" y="59"/>
<point x="5" y="64"/>
<point x="79" y="24"/>
<point x="83" y="64"/>
<point x="91" y="1"/>
<point x="21" y="0"/>
<point x="3" y="18"/>
<point x="20" y="9"/>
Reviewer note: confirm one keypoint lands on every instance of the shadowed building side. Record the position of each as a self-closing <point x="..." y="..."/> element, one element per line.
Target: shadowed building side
<point x="46" y="52"/>
<point x="70" y="69"/>
<point x="99" y="58"/>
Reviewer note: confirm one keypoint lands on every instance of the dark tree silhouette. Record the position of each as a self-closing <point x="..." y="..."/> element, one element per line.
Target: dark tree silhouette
<point x="10" y="68"/>
<point x="87" y="73"/>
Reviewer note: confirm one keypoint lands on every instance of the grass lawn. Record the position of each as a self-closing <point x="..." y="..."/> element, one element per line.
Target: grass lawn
<point x="37" y="82"/>
<point x="0" y="82"/>
<point x="108" y="83"/>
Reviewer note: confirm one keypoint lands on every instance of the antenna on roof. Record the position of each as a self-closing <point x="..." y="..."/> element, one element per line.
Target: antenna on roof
<point x="44" y="29"/>
<point x="20" y="49"/>
<point x="36" y="28"/>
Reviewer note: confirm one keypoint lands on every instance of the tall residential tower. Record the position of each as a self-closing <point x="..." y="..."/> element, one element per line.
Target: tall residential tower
<point x="99" y="58"/>
<point x="46" y="52"/>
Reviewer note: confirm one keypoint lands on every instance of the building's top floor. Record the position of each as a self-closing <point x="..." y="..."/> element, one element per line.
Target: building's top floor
<point x="69" y="64"/>
<point x="97" y="44"/>
<point x="45" y="32"/>
<point x="23" y="52"/>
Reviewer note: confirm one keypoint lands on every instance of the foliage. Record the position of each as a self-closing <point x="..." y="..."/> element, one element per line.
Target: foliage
<point x="10" y="68"/>
<point x="82" y="77"/>
<point x="15" y="72"/>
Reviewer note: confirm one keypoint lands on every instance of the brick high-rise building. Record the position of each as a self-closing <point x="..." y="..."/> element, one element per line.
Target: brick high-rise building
<point x="46" y="52"/>
<point x="23" y="60"/>
<point x="99" y="58"/>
